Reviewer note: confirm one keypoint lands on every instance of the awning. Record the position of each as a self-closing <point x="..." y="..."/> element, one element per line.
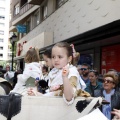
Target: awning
<point x="24" y="16"/>
<point x="19" y="57"/>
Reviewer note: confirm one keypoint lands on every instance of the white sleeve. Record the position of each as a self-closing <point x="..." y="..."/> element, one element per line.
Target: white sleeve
<point x="72" y="100"/>
<point x="80" y="83"/>
<point x="11" y="74"/>
<point x="26" y="74"/>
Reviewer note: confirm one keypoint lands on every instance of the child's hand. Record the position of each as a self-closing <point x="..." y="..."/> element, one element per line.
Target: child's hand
<point x="30" y="92"/>
<point x="54" y="88"/>
<point x="65" y="71"/>
<point x="74" y="51"/>
<point x="72" y="45"/>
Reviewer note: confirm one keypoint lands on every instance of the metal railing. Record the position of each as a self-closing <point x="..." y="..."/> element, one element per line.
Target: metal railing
<point x="25" y="8"/>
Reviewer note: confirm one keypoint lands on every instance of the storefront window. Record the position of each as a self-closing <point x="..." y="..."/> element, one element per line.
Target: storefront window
<point x="87" y="57"/>
<point x="110" y="58"/>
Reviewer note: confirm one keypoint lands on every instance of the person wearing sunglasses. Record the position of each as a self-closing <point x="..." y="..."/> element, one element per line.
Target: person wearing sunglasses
<point x="84" y="70"/>
<point x="117" y="74"/>
<point x="94" y="83"/>
<point x="109" y="93"/>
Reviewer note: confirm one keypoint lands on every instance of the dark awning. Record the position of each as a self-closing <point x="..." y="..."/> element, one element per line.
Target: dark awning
<point x="100" y="33"/>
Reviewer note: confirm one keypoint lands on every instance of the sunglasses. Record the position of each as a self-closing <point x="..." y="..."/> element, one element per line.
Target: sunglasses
<point x="107" y="81"/>
<point x="83" y="69"/>
<point x="93" y="70"/>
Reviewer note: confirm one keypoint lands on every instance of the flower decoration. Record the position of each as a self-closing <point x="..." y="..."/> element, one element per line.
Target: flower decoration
<point x="30" y="47"/>
<point x="20" y="47"/>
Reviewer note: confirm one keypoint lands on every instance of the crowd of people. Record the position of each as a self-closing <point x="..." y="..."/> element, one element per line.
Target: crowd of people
<point x="63" y="77"/>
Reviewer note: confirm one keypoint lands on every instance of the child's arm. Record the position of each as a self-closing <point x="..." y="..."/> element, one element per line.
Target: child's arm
<point x="54" y="88"/>
<point x="26" y="74"/>
<point x="76" y="55"/>
<point x="32" y="92"/>
<point x="68" y="89"/>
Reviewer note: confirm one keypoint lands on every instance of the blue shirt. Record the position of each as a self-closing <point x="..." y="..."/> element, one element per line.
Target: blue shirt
<point x="90" y="88"/>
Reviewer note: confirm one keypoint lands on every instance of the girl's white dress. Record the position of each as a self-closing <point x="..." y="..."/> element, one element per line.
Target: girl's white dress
<point x="31" y="70"/>
<point x="55" y="78"/>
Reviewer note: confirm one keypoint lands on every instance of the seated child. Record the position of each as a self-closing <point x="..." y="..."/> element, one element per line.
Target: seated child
<point x="64" y="77"/>
<point x="32" y="69"/>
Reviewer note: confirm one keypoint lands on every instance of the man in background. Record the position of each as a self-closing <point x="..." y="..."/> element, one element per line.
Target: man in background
<point x="9" y="74"/>
<point x="84" y="71"/>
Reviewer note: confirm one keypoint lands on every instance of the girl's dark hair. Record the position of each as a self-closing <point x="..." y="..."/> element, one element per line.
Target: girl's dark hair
<point x="45" y="67"/>
<point x="48" y="53"/>
<point x="85" y="64"/>
<point x="32" y="55"/>
<point x="66" y="46"/>
<point x="95" y="72"/>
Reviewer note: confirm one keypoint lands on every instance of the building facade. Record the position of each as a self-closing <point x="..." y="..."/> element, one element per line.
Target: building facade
<point x="4" y="29"/>
<point x="91" y="25"/>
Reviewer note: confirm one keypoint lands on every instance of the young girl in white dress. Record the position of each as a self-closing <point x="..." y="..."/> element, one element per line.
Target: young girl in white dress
<point x="32" y="69"/>
<point x="64" y="77"/>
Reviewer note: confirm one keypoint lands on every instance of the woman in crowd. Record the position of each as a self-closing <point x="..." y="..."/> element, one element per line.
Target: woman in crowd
<point x="9" y="74"/>
<point x="117" y="74"/>
<point x="94" y="84"/>
<point x="109" y="93"/>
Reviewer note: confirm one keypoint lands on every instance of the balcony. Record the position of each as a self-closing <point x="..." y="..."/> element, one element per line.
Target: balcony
<point x="25" y="11"/>
<point x="25" y="8"/>
<point x="35" y="2"/>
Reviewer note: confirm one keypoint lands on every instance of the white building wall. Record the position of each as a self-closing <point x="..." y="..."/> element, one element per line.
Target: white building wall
<point x="6" y="5"/>
<point x="76" y="17"/>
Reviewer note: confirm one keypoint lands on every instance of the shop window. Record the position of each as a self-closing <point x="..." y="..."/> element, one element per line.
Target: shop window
<point x="36" y="19"/>
<point x="87" y="57"/>
<point x="16" y="9"/>
<point x="110" y="58"/>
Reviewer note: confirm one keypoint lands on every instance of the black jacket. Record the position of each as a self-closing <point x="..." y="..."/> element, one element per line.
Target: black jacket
<point x="115" y="99"/>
